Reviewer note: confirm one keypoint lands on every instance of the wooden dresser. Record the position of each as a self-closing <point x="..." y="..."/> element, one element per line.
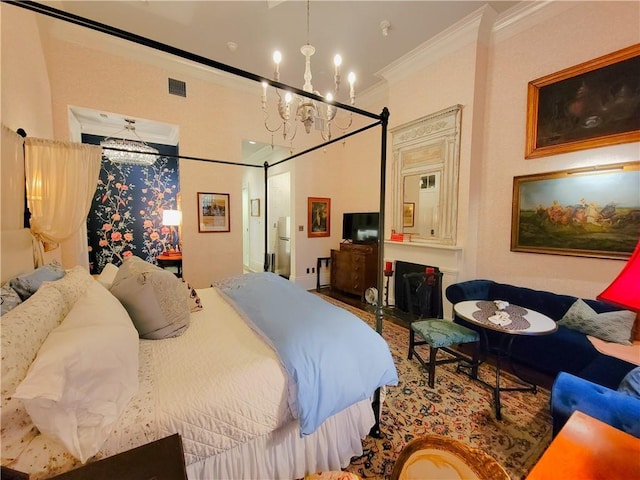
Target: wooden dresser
<point x="354" y="268"/>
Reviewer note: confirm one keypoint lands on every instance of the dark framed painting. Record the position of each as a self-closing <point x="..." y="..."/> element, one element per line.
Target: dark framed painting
<point x="408" y="214"/>
<point x="589" y="212"/>
<point x="213" y="212"/>
<point x="594" y="104"/>
<point x="319" y="217"/>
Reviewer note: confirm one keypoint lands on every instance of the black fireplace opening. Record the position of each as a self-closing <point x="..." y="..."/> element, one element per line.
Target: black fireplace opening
<point x="401" y="300"/>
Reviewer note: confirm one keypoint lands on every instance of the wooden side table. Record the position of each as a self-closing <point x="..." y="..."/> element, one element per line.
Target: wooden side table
<point x="589" y="448"/>
<point x="171" y="260"/>
<point x="159" y="460"/>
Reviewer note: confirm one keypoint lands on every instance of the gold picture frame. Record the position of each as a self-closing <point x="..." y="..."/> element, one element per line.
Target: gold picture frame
<point x="255" y="207"/>
<point x="587" y="212"/>
<point x="318" y="217"/>
<point x="408" y="211"/>
<point x="594" y="104"/>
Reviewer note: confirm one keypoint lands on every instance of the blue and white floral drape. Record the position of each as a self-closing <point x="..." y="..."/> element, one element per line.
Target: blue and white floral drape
<point x="126" y="214"/>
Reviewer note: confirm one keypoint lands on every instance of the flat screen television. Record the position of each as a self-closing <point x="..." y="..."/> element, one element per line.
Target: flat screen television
<point x="360" y="227"/>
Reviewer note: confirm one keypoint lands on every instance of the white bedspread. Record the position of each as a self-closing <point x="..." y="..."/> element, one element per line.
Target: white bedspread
<point x="218" y="384"/>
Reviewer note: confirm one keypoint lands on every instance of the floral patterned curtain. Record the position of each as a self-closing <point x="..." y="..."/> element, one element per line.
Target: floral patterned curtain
<point x="126" y="214"/>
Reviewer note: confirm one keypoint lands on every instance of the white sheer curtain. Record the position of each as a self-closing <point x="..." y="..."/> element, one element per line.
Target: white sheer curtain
<point x="61" y="179"/>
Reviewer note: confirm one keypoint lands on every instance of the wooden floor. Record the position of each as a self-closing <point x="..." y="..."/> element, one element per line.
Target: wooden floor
<point x="402" y="318"/>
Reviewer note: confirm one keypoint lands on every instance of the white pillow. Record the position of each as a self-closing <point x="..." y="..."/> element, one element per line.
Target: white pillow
<point x="84" y="375"/>
<point x="107" y="275"/>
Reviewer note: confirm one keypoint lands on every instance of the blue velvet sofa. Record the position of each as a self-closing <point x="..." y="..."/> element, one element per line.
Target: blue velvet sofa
<point x="586" y="379"/>
<point x="565" y="350"/>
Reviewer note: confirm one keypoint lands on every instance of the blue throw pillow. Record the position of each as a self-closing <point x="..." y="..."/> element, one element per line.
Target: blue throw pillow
<point x="28" y="283"/>
<point x="630" y="384"/>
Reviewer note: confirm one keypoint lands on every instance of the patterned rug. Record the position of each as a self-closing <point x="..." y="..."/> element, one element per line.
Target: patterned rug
<point x="457" y="407"/>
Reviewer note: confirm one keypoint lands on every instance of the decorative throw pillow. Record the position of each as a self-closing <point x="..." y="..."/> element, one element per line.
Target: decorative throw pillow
<point x="155" y="299"/>
<point x="10" y="299"/>
<point x="195" y="304"/>
<point x="613" y="326"/>
<point x="84" y="375"/>
<point x="630" y="384"/>
<point x="108" y="275"/>
<point x="28" y="283"/>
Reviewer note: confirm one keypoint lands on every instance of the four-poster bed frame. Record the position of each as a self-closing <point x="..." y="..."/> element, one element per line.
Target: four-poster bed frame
<point x="379" y="119"/>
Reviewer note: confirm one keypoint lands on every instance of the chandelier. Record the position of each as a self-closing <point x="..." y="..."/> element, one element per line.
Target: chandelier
<point x="129" y="152"/>
<point x="306" y="110"/>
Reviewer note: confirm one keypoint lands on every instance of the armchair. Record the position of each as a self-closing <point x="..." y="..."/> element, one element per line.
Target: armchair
<point x="570" y="393"/>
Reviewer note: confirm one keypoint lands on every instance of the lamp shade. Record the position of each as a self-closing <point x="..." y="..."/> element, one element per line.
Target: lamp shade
<point x="624" y="291"/>
<point x="171" y="218"/>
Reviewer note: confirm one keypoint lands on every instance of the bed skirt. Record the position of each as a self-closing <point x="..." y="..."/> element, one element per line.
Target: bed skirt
<point x="284" y="454"/>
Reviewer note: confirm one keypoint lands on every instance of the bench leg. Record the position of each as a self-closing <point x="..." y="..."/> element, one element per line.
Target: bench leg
<point x="412" y="342"/>
<point x="433" y="352"/>
<point x="475" y="360"/>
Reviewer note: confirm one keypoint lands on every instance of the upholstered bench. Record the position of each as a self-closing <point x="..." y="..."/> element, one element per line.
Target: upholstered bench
<point x="442" y="335"/>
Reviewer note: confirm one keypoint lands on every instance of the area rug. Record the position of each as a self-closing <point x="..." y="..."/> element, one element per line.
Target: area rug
<point x="457" y="407"/>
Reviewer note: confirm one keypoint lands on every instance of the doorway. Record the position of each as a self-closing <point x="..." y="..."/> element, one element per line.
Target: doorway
<point x="256" y="213"/>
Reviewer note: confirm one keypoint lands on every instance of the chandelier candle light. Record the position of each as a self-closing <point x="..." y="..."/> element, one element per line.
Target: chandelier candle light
<point x="307" y="111"/>
<point x="130" y="152"/>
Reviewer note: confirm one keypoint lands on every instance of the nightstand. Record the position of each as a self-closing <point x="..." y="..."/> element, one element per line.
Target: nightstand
<point x="159" y="460"/>
<point x="171" y="259"/>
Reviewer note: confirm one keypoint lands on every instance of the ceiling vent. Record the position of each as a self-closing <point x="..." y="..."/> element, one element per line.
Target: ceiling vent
<point x="177" y="87"/>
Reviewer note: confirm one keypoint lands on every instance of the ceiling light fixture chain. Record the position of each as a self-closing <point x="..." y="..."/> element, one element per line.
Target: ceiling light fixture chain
<point x="308" y="112"/>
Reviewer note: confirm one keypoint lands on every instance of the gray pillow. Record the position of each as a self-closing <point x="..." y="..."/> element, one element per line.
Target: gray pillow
<point x="613" y="326"/>
<point x="28" y="283"/>
<point x="155" y="299"/>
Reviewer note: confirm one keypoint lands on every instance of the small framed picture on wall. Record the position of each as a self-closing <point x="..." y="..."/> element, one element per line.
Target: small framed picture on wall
<point x="213" y="212"/>
<point x="319" y="217"/>
<point x="255" y="207"/>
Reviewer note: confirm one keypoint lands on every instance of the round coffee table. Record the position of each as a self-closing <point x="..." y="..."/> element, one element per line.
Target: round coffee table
<point x="509" y="321"/>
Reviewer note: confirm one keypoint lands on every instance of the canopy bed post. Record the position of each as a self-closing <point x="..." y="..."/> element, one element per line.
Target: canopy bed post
<point x="266" y="216"/>
<point x="384" y="120"/>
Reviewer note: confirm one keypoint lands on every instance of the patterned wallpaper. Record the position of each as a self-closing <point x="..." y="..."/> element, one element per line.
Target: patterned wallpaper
<point x="126" y="214"/>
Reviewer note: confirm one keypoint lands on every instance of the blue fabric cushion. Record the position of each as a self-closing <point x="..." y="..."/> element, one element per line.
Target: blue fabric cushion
<point x="630" y="384"/>
<point x="564" y="350"/>
<point x="442" y="333"/>
<point x="27" y="284"/>
<point x="570" y="393"/>
<point x="606" y="371"/>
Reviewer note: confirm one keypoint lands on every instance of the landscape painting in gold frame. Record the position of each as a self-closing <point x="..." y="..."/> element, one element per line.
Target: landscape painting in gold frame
<point x="588" y="212"/>
<point x="594" y="104"/>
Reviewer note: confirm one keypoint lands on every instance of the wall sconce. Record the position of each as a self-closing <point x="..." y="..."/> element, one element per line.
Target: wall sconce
<point x="171" y="218"/>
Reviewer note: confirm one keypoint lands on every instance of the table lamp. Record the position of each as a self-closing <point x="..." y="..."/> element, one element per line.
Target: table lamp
<point x="171" y="218"/>
<point x="624" y="291"/>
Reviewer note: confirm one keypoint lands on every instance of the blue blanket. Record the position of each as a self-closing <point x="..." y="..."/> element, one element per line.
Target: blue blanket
<point x="333" y="359"/>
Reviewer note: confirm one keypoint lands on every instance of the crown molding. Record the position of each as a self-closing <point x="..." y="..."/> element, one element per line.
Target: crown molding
<point x="525" y="15"/>
<point x="445" y="43"/>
